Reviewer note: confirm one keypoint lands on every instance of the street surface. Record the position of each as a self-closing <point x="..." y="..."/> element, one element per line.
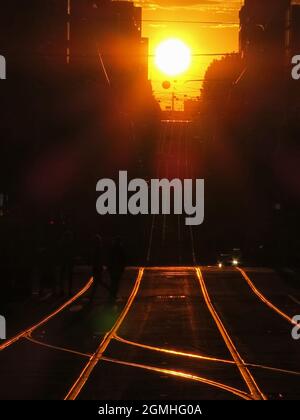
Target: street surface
<point x="185" y="333"/>
<point x="179" y="329"/>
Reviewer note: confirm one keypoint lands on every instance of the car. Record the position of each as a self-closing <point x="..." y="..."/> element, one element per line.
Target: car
<point x="230" y="259"/>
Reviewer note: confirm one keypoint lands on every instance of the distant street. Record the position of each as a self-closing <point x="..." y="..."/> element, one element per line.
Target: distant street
<point x="169" y="240"/>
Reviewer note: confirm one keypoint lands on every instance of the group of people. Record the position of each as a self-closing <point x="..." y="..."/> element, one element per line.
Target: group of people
<point x="116" y="264"/>
<point x="98" y="257"/>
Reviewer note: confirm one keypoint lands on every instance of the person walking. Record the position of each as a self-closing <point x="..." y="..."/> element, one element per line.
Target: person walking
<point x="116" y="266"/>
<point x="97" y="262"/>
<point x="66" y="256"/>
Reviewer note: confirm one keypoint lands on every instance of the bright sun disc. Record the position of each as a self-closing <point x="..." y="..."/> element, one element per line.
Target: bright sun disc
<point x="172" y="57"/>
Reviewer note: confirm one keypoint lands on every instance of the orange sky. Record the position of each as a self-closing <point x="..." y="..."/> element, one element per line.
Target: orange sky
<point x="201" y="38"/>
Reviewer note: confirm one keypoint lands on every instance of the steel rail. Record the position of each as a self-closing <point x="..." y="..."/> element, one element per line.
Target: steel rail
<point x="98" y="355"/>
<point x="264" y="299"/>
<point x="171" y="351"/>
<point x="47" y="318"/>
<point x="183" y="375"/>
<point x="244" y="371"/>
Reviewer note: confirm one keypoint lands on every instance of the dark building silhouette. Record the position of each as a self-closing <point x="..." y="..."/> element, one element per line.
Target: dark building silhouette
<point x="269" y="32"/>
<point x="34" y="32"/>
<point x="65" y="31"/>
<point x="71" y="64"/>
<point x="50" y="34"/>
<point x="76" y="106"/>
<point x="295" y="30"/>
<point x="269" y="37"/>
<point x="265" y="29"/>
<point x="113" y="31"/>
<point x="191" y="107"/>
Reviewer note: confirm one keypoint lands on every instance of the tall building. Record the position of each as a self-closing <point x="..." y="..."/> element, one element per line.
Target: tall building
<point x="68" y="62"/>
<point x="265" y="30"/>
<point x="110" y="33"/>
<point x="34" y="32"/>
<point x="269" y="38"/>
<point x="268" y="35"/>
<point x="295" y="30"/>
<point x="51" y="33"/>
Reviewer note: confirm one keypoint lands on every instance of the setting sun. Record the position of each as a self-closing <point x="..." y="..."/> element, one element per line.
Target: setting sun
<point x="172" y="57"/>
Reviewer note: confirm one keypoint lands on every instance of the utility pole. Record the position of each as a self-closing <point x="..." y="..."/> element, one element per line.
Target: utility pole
<point x="173" y="101"/>
<point x="68" y="58"/>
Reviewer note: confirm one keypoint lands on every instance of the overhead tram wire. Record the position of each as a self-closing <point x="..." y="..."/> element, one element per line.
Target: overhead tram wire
<point x="185" y="21"/>
<point x="96" y="55"/>
<point x="206" y="54"/>
<point x="197" y="22"/>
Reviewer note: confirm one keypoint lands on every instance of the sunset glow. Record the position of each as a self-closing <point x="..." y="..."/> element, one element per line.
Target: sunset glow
<point x="196" y="25"/>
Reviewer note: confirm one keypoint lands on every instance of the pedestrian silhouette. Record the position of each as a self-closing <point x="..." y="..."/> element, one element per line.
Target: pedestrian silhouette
<point x="97" y="262"/>
<point x="66" y="258"/>
<point x="116" y="266"/>
<point x="47" y="263"/>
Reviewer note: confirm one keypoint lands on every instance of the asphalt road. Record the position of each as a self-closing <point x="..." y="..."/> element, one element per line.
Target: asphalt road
<point x="167" y="343"/>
